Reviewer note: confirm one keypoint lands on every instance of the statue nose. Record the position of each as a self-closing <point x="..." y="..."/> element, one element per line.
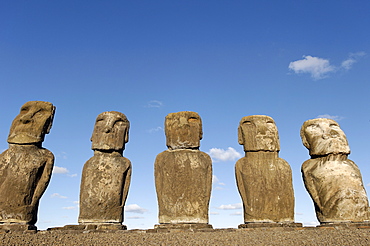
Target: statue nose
<point x="26" y="118"/>
<point x="108" y="126"/>
<point x="262" y="129"/>
<point x="331" y="134"/>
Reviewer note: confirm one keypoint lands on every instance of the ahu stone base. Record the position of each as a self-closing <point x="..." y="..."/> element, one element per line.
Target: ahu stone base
<point x="89" y="227"/>
<point x="268" y="224"/>
<point x="184" y="226"/>
<point x="346" y="224"/>
<point x="17" y="227"/>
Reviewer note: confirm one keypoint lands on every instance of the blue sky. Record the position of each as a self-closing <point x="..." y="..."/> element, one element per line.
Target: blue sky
<point x="291" y="60"/>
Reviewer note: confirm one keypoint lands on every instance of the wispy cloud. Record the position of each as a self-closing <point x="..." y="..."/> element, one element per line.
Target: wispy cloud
<point x="134" y="208"/>
<point x="57" y="169"/>
<point x="69" y="208"/>
<point x="216" y="181"/>
<point x="62" y="155"/>
<point x="157" y="129"/>
<point x="320" y="68"/>
<point x="238" y="213"/>
<point x="57" y="195"/>
<point x="135" y="217"/>
<point x="214" y="213"/>
<point x="63" y="170"/>
<point x="224" y="155"/>
<point x="333" y="117"/>
<point x="154" y="104"/>
<point x="231" y="206"/>
<point x="352" y="59"/>
<point x="316" y="66"/>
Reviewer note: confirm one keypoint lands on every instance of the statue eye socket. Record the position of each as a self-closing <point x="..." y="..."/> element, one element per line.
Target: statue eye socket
<point x="193" y="119"/>
<point x="247" y="122"/>
<point x="24" y="109"/>
<point x="99" y="119"/>
<point x="334" y="125"/>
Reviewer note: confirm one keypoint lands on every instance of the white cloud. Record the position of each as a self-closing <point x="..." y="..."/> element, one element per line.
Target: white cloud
<point x="157" y="129"/>
<point x="72" y="175"/>
<point x="231" y="206"/>
<point x="154" y="104"/>
<point x="58" y="196"/>
<point x="333" y="117"/>
<point x="76" y="202"/>
<point x="69" y="208"/>
<point x="368" y="184"/>
<point x="347" y="64"/>
<point x="215" y="179"/>
<point x="311" y="223"/>
<point x="219" y="188"/>
<point x="214" y="213"/>
<point x="237" y="213"/>
<point x="224" y="155"/>
<point x="57" y="169"/>
<point x="134" y="208"/>
<point x="352" y="59"/>
<point x="134" y="217"/>
<point x="316" y="66"/>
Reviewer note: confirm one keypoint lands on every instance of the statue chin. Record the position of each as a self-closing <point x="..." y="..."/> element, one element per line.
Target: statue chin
<point x="23" y="138"/>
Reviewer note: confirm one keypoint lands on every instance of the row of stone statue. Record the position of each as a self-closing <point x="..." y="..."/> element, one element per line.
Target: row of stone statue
<point x="183" y="174"/>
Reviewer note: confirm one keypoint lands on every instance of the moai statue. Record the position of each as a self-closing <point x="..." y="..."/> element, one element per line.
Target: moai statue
<point x="106" y="176"/>
<point x="25" y="168"/>
<point x="333" y="181"/>
<point x="264" y="180"/>
<point x="183" y="174"/>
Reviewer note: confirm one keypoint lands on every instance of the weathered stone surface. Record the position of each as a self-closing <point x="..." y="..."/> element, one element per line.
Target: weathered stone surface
<point x="32" y="123"/>
<point x="183" y="174"/>
<point x="17" y="227"/>
<point x="26" y="167"/>
<point x="183" y="130"/>
<point x="264" y="180"/>
<point x="183" y="226"/>
<point x="106" y="176"/>
<point x="267" y="224"/>
<point x="333" y="181"/>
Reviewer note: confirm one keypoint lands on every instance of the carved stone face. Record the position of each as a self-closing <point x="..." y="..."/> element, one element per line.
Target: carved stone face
<point x="32" y="123"/>
<point x="258" y="133"/>
<point x="183" y="130"/>
<point x="324" y="136"/>
<point x="110" y="131"/>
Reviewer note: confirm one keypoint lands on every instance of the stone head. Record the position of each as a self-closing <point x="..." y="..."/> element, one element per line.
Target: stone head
<point x="324" y="136"/>
<point x="183" y="130"/>
<point x="110" y="131"/>
<point x="32" y="123"/>
<point x="258" y="133"/>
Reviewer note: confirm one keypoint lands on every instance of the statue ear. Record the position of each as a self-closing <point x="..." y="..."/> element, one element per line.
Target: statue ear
<point x="240" y="136"/>
<point x="304" y="140"/>
<point x="50" y="121"/>
<point x="126" y="132"/>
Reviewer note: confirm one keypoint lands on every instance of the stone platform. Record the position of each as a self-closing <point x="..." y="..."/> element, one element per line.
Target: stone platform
<point x="268" y="224"/>
<point x="18" y="227"/>
<point x="184" y="226"/>
<point x="88" y="227"/>
<point x="358" y="225"/>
